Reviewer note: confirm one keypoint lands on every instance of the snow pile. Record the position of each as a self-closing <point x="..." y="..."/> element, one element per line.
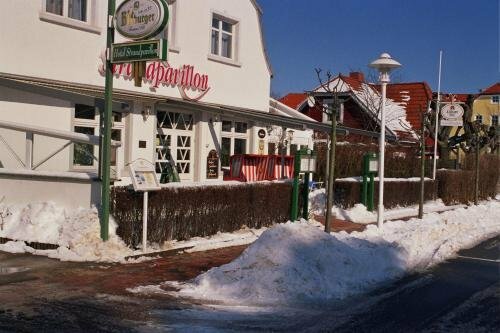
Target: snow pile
<point x="298" y="262"/>
<point x="360" y="214"/>
<point x="77" y="233"/>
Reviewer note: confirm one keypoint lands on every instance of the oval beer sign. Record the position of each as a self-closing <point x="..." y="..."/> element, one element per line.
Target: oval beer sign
<point x="141" y="19"/>
<point x="452" y="115"/>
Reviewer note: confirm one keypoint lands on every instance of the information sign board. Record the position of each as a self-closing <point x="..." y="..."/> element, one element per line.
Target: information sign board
<point x="144" y="176"/>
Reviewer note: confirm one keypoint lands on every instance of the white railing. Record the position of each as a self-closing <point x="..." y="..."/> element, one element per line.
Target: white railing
<point x="30" y="131"/>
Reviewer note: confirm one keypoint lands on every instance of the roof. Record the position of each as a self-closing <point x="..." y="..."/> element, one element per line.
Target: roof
<point x="294" y="100"/>
<point x="492" y="90"/>
<point x="414" y="96"/>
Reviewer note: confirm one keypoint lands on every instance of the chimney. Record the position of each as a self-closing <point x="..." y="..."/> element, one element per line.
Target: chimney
<point x="357" y="76"/>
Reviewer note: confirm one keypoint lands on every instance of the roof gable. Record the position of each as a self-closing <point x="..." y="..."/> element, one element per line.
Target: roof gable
<point x="492" y="90"/>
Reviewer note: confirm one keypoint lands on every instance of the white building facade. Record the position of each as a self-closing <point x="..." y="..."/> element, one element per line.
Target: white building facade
<point x="217" y="72"/>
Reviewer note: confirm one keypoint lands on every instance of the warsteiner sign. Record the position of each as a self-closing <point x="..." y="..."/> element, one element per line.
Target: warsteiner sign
<point x="141" y="19"/>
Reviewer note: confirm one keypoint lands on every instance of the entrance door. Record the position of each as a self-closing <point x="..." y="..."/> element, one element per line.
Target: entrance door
<point x="174" y="143"/>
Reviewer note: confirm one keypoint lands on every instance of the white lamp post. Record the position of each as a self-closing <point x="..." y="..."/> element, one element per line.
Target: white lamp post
<point x="384" y="64"/>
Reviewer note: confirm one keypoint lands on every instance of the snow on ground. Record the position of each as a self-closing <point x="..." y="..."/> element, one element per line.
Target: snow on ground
<point x="360" y="214"/>
<point x="298" y="262"/>
<point x="77" y="232"/>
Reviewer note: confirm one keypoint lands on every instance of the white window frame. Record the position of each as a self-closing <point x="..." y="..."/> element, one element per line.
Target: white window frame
<point x="328" y="103"/>
<point x="235" y="40"/>
<point x="89" y="25"/>
<point x="170" y="32"/>
<point x="480" y="118"/>
<point x="93" y="123"/>
<point x="495" y="99"/>
<point x="175" y="133"/>
<point x="232" y="135"/>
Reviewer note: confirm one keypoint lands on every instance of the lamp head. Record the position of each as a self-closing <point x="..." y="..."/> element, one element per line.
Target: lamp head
<point x="384" y="64"/>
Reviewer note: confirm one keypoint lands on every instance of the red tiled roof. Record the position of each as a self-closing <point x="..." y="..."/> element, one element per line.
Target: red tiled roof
<point x="492" y="90"/>
<point x="414" y="96"/>
<point x="445" y="97"/>
<point x="293" y="100"/>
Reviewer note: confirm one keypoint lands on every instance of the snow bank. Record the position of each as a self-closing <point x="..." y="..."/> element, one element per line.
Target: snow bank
<point x="76" y="232"/>
<point x="360" y="214"/>
<point x="298" y="262"/>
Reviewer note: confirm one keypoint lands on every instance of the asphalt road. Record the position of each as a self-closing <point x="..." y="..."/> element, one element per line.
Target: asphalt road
<point x="43" y="295"/>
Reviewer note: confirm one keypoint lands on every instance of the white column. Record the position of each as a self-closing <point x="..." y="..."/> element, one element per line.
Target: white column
<point x="380" y="211"/>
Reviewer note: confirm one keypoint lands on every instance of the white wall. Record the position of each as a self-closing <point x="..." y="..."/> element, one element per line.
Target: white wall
<point x="33" y="109"/>
<point x="48" y="50"/>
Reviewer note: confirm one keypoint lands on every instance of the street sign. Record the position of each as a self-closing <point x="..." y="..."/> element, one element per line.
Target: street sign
<point x="452" y="115"/>
<point x="155" y="49"/>
<point x="141" y="19"/>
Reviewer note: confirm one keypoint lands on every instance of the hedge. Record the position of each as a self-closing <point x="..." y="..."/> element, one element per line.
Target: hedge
<point x="457" y="186"/>
<point x="184" y="212"/>
<point x="396" y="193"/>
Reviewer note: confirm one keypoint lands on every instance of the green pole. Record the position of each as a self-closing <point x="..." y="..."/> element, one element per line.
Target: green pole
<point x="305" y="197"/>
<point x="371" y="192"/>
<point x="364" y="189"/>
<point x="295" y="190"/>
<point x="106" y="135"/>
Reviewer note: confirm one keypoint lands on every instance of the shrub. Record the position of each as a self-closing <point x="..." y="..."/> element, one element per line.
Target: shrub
<point x="184" y="212"/>
<point x="396" y="193"/>
<point x="457" y="186"/>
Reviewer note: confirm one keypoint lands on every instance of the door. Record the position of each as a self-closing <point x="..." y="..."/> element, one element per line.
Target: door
<point x="174" y="143"/>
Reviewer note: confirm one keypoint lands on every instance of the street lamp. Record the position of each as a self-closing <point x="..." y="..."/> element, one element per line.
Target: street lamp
<point x="384" y="64"/>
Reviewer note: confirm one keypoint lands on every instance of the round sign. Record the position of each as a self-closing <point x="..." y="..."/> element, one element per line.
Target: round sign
<point x="261" y="133"/>
<point x="452" y="111"/>
<point x="141" y="19"/>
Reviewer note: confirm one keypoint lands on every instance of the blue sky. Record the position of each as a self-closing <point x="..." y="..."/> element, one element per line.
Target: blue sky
<point x="343" y="36"/>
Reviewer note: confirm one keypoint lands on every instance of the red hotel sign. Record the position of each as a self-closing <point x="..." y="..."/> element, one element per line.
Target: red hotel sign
<point x="162" y="73"/>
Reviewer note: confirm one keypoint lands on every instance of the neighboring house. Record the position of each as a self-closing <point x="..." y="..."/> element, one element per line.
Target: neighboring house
<point x="212" y="95"/>
<point x="486" y="107"/>
<point x="360" y="106"/>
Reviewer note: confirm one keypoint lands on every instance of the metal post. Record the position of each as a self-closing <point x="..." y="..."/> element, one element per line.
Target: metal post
<point x="294" y="211"/>
<point x="331" y="166"/>
<point x="106" y="135"/>
<point x="476" y="178"/>
<point x="305" y="197"/>
<point x="380" y="212"/>
<point x="422" y="165"/>
<point x="436" y="130"/>
<point x="145" y="222"/>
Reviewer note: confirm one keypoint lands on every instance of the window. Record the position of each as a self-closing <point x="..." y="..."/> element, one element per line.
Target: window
<point x="222" y="37"/>
<point x="494" y="120"/>
<point x="234" y="140"/>
<point x="73" y="13"/>
<point x="479" y="118"/>
<point x="86" y="120"/>
<point x="170" y="32"/>
<point x="327" y="117"/>
<point x="74" y="9"/>
<point x="495" y="99"/>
